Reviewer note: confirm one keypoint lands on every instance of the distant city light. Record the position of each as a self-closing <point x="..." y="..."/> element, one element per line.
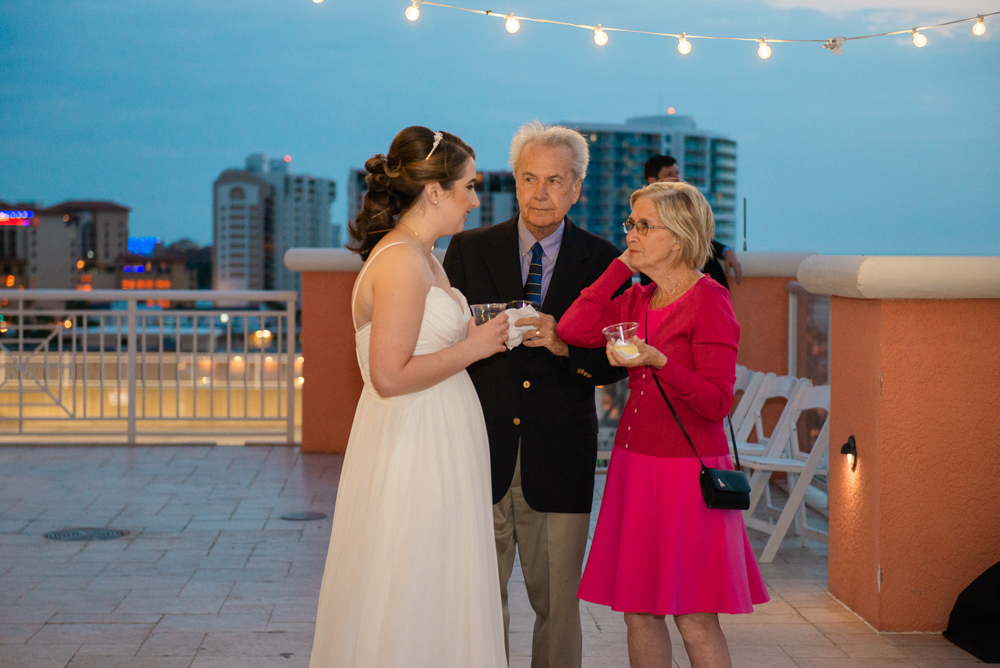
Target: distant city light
<point x="671" y="111"/>
<point x="90" y="254"/>
<point x="18" y="218"/>
<point x="142" y="245"/>
<point x="288" y="158"/>
<point x="10" y="281"/>
<point x="67" y="323"/>
<point x="79" y="264"/>
<point x="224" y="318"/>
<point x="134" y="269"/>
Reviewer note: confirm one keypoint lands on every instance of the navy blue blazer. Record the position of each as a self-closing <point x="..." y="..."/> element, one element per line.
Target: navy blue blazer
<point x="529" y="396"/>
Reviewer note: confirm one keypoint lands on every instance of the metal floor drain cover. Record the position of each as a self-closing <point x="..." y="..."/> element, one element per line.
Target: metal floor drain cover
<point x="86" y="533"/>
<point x="303" y="517"/>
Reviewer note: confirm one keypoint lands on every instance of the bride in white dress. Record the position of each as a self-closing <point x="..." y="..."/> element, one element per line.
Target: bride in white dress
<point x="411" y="575"/>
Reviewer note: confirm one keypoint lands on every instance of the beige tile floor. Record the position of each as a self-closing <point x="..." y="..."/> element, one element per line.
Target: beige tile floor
<point x="211" y="577"/>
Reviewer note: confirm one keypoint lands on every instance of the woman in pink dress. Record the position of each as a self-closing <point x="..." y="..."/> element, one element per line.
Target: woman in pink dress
<point x="657" y="549"/>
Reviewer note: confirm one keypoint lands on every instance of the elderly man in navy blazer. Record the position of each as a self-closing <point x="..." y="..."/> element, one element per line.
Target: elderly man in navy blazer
<point x="538" y="399"/>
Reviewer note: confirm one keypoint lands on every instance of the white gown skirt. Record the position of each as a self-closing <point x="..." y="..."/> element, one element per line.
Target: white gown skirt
<point x="411" y="576"/>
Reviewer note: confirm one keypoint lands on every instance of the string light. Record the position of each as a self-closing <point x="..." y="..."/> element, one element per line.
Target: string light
<point x="317" y="1"/>
<point x="413" y="11"/>
<point x="684" y="46"/>
<point x="513" y="24"/>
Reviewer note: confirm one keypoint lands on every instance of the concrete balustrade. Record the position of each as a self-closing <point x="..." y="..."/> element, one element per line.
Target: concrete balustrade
<point x="915" y="362"/>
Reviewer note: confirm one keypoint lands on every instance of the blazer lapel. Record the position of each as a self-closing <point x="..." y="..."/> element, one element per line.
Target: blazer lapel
<point x="569" y="274"/>
<point x="504" y="263"/>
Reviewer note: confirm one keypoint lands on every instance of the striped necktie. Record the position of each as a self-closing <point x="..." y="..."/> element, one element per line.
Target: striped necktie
<point x="533" y="286"/>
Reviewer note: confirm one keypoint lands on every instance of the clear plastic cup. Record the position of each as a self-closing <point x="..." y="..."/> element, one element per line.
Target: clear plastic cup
<point x="619" y="337"/>
<point x="483" y="313"/>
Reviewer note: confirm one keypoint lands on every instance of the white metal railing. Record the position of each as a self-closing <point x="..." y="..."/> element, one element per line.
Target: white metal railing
<point x="173" y="362"/>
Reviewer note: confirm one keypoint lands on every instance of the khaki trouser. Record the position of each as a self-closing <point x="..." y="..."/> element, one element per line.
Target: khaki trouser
<point x="551" y="547"/>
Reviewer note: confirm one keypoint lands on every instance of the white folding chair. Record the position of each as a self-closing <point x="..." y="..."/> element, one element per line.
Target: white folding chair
<point x="783" y="454"/>
<point x="773" y="387"/>
<point x="750" y="383"/>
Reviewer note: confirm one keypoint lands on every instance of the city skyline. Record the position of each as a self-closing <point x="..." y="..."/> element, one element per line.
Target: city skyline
<point x="880" y="150"/>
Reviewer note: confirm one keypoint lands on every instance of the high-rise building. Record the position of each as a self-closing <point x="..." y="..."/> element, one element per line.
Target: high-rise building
<point x="68" y="245"/>
<point x="497" y="200"/>
<point x="260" y="212"/>
<point x="618" y="152"/>
<point x="102" y="231"/>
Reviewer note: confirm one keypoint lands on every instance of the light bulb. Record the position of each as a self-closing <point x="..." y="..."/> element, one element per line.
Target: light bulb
<point x="600" y="37"/>
<point x="764" y="51"/>
<point x="413" y="11"/>
<point x="317" y="1"/>
<point x="980" y="27"/>
<point x="512" y="25"/>
<point x="919" y="39"/>
<point x="684" y="46"/>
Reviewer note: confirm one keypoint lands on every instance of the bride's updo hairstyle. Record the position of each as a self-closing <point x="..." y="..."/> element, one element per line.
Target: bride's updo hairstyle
<point x="396" y="180"/>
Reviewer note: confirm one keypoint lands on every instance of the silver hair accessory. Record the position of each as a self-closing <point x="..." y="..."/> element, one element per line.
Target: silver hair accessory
<point x="438" y="136"/>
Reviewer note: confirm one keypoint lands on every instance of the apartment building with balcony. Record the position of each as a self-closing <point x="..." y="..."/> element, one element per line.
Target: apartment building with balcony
<point x="618" y="152"/>
<point x="261" y="211"/>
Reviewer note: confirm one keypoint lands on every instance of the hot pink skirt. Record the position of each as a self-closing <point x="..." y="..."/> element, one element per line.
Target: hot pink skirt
<point x="658" y="549"/>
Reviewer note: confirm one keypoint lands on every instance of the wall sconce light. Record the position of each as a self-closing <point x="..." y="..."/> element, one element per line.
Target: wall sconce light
<point x="851" y="450"/>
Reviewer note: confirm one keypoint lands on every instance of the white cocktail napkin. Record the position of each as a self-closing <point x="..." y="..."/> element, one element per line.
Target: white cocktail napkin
<point x="515" y="335"/>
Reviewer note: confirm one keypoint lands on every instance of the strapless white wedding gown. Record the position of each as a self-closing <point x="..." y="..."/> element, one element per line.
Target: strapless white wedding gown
<point x="411" y="575"/>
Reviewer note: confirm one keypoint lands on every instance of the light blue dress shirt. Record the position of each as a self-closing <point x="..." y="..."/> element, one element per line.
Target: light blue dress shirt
<point x="550" y="252"/>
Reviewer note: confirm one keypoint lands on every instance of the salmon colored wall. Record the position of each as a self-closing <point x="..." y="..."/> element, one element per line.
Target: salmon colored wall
<point x="921" y="501"/>
<point x="761" y="305"/>
<point x="855" y="397"/>
<point x="332" y="382"/>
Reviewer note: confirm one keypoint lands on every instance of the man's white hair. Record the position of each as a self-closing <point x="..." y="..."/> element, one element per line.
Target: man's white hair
<point x="551" y="135"/>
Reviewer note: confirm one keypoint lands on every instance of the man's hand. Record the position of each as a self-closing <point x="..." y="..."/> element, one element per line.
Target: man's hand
<point x="732" y="262"/>
<point x="544" y="334"/>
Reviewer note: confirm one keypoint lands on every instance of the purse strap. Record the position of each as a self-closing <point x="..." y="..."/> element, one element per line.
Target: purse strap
<point x="663" y="394"/>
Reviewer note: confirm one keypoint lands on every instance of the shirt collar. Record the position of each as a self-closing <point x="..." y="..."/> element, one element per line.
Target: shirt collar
<point x="550" y="244"/>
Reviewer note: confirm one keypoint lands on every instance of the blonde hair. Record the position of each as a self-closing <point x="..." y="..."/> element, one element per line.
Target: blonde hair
<point x="683" y="210"/>
<point x="551" y="135"/>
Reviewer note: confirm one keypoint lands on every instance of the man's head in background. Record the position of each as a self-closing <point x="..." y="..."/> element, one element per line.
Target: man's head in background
<point x="661" y="168"/>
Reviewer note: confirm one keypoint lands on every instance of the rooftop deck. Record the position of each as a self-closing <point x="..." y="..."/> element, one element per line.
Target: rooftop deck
<point x="210" y="576"/>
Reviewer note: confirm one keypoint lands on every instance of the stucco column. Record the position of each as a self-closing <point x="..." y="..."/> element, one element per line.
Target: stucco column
<point x="915" y="359"/>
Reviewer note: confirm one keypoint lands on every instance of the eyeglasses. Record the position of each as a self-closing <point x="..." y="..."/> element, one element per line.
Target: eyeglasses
<point x="641" y="226"/>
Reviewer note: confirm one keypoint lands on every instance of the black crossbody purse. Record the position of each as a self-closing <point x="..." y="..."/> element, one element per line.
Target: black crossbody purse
<point x="722" y="489"/>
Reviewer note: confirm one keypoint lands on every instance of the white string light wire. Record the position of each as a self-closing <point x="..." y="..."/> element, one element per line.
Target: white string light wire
<point x="600" y="32"/>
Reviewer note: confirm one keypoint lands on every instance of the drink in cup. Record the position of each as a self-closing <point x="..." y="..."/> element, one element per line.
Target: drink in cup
<point x="521" y="303"/>
<point x="619" y="337"/>
<point x="483" y="313"/>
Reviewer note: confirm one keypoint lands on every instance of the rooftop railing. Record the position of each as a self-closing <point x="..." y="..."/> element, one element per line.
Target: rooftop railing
<point x="116" y="363"/>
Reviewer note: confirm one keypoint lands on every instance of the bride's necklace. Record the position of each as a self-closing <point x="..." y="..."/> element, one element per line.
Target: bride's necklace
<point x="401" y="223"/>
<point x="410" y="230"/>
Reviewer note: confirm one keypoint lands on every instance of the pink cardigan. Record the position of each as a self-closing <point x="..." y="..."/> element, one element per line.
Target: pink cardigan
<point x="699" y="335"/>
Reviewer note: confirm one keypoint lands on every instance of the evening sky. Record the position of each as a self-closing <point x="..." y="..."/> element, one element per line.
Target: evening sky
<point x="887" y="149"/>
